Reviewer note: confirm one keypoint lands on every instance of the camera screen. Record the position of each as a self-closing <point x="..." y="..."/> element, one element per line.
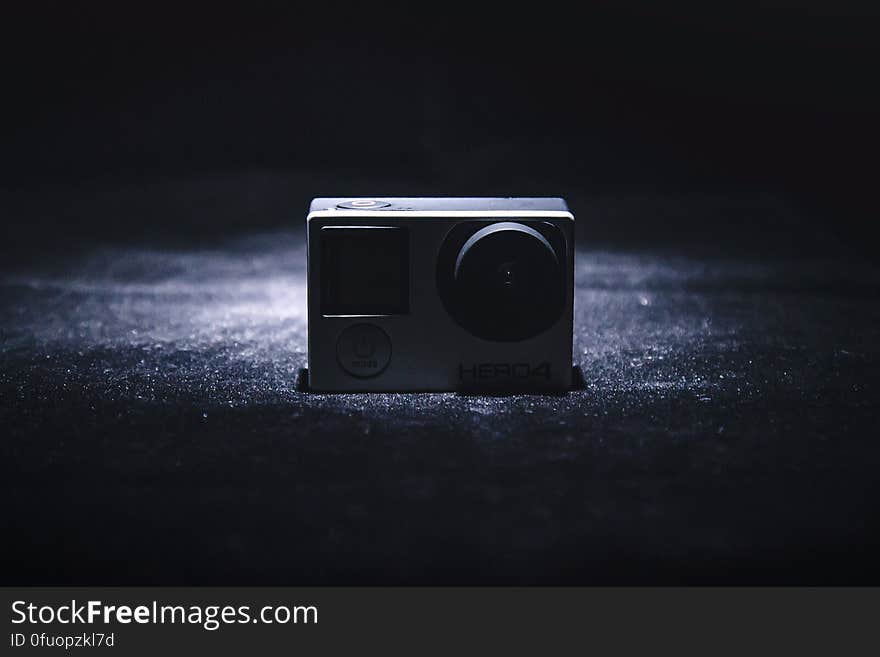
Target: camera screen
<point x="364" y="270"/>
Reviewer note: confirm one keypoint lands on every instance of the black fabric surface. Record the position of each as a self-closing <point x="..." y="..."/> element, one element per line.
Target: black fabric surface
<point x="154" y="433"/>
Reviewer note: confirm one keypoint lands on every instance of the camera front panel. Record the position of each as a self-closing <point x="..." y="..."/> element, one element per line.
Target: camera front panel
<point x="439" y="299"/>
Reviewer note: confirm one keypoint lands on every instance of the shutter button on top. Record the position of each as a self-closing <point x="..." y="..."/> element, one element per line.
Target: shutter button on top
<point x="363" y="350"/>
<point x="363" y="204"/>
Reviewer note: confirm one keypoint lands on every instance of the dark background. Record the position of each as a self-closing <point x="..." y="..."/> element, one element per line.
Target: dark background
<point x="155" y="169"/>
<point x="475" y="99"/>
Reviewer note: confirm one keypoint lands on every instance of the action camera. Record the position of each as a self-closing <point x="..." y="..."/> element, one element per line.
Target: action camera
<point x="440" y="294"/>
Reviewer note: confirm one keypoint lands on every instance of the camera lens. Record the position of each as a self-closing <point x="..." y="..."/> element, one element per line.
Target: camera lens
<point x="506" y="284"/>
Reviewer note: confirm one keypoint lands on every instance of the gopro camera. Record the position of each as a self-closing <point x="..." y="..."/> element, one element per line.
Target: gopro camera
<point x="440" y="294"/>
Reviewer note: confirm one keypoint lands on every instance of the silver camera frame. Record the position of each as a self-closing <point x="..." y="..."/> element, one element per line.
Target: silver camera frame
<point x="426" y="350"/>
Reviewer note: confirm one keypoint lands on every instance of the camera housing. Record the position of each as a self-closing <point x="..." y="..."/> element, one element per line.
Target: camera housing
<point x="440" y="294"/>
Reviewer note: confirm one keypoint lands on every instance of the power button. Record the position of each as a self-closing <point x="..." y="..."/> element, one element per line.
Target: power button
<point x="363" y="350"/>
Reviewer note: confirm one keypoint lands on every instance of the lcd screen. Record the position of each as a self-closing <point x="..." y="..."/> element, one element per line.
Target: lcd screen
<point x="364" y="270"/>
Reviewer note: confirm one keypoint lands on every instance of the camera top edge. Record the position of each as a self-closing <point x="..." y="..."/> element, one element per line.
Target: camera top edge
<point x="440" y="204"/>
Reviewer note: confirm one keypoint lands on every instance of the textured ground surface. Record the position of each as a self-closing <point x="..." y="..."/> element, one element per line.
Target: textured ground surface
<point x="153" y="431"/>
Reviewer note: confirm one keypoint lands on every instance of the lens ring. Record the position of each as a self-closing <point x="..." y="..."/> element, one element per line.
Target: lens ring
<point x="495" y="229"/>
<point x="505" y="283"/>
